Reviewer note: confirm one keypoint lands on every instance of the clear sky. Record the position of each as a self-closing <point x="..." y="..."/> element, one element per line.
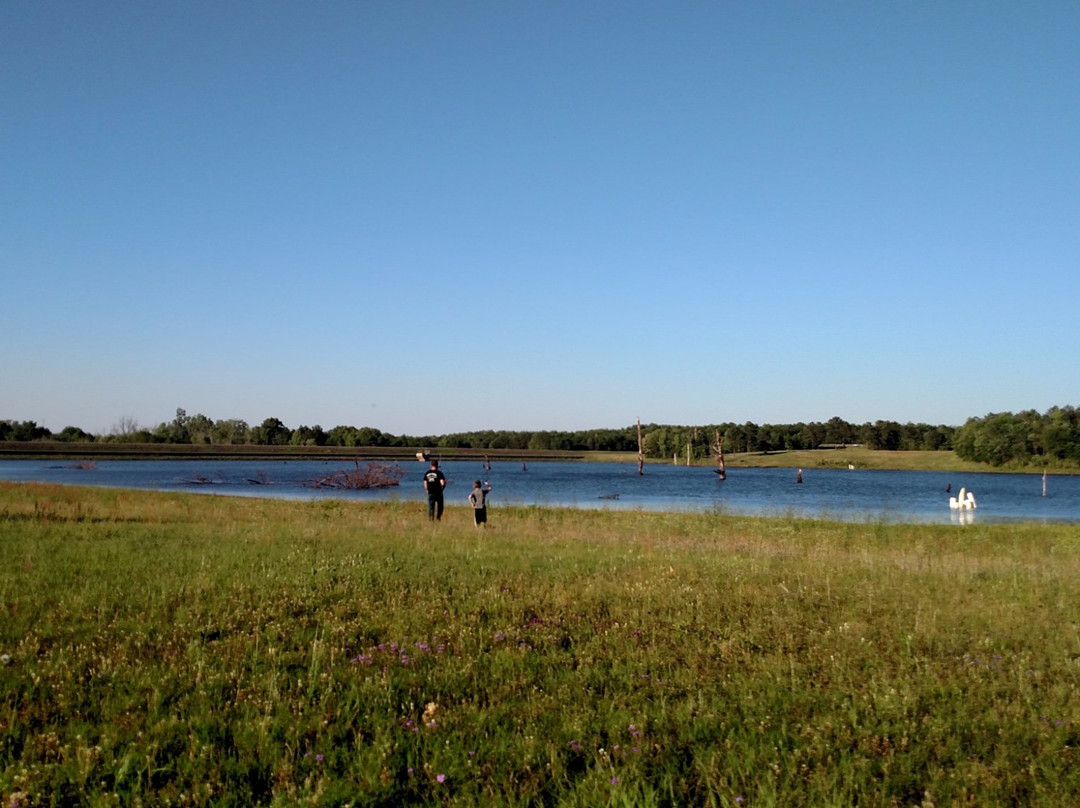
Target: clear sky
<point x="429" y="217"/>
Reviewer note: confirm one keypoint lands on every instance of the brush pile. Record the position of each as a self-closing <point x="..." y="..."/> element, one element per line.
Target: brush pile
<point x="371" y="475"/>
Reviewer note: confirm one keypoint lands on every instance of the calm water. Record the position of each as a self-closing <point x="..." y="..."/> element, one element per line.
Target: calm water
<point x="850" y="495"/>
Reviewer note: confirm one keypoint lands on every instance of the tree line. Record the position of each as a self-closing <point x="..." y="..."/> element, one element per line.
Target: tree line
<point x="659" y="440"/>
<point x="1051" y="438"/>
<point x="997" y="439"/>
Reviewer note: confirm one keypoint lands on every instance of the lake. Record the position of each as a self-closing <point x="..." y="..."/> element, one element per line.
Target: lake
<point x="842" y="494"/>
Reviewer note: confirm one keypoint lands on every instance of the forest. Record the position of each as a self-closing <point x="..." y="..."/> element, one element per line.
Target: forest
<point x="1051" y="438"/>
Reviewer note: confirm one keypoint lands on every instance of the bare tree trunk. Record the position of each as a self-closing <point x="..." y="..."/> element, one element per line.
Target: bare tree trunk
<point x="640" y="450"/>
<point x="718" y="446"/>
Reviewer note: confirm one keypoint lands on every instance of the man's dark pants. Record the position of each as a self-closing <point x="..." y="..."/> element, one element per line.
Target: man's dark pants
<point x="434" y="508"/>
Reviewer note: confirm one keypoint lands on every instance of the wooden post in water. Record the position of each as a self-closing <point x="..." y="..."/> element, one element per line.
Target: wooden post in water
<point x="640" y="451"/>
<point x="1044" y="482"/>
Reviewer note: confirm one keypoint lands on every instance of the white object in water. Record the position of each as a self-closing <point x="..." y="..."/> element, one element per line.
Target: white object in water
<point x="964" y="502"/>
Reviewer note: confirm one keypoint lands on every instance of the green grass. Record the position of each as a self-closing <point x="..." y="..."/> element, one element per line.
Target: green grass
<point x="857" y="456"/>
<point x="162" y="649"/>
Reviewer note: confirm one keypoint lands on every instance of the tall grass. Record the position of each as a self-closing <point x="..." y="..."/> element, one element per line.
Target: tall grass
<point x="161" y="649"/>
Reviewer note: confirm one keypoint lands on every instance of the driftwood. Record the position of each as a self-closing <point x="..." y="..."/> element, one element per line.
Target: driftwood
<point x="371" y="475"/>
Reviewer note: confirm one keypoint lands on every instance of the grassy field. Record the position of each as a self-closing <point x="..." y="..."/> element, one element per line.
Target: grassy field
<point x="857" y="456"/>
<point x="164" y="649"/>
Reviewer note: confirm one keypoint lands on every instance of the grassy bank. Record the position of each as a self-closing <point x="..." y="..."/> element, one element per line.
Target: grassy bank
<point x="857" y="456"/>
<point x="160" y="649"/>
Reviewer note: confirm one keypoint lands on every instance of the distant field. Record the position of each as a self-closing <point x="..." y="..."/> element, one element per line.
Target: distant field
<point x="841" y="458"/>
<point x="168" y="649"/>
<point x="860" y="458"/>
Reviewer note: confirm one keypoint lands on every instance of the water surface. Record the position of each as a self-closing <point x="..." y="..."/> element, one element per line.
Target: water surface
<point x="842" y="494"/>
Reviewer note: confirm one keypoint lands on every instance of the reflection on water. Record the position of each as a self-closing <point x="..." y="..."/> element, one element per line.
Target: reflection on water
<point x="843" y="494"/>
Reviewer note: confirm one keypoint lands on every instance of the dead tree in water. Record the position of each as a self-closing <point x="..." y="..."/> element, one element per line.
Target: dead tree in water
<point x="640" y="451"/>
<point x="718" y="448"/>
<point x="373" y="475"/>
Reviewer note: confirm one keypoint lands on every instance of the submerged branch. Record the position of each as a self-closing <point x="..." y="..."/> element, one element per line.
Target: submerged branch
<point x="371" y="475"/>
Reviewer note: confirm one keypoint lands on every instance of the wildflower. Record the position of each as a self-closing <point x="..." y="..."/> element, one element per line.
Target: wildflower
<point x="575" y="747"/>
<point x="614" y="781"/>
<point x="319" y="758"/>
<point x="441" y="778"/>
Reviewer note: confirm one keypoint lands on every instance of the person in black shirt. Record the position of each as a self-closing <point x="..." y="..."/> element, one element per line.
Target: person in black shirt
<point x="434" y="483"/>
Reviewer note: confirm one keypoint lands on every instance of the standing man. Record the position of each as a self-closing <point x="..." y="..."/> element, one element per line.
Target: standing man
<point x="434" y="483"/>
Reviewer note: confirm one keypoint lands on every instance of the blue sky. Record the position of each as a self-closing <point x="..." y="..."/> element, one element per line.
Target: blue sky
<point x="431" y="217"/>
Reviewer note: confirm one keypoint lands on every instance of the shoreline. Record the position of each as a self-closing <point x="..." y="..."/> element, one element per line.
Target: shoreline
<point x="840" y="457"/>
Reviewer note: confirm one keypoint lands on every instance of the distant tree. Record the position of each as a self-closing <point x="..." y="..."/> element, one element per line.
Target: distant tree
<point x="175" y="431"/>
<point x="750" y="435"/>
<point x="230" y="432"/>
<point x="343" y="436"/>
<point x="200" y="429"/>
<point x="840" y="432"/>
<point x="127" y="430"/>
<point x="453" y="441"/>
<point x="937" y="438"/>
<point x="272" y="432"/>
<point x="23" y="431"/>
<point x="308" y="436"/>
<point x="880" y="435"/>
<point x="996" y="439"/>
<point x="1061" y="434"/>
<point x="73" y="434"/>
<point x="369" y="436"/>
